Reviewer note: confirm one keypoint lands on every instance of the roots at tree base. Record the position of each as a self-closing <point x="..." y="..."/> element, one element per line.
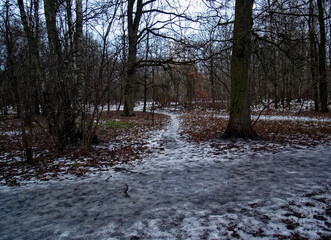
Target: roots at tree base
<point x="234" y="132"/>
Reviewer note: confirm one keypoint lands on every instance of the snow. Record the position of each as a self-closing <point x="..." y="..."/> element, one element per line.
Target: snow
<point x="291" y="118"/>
<point x="183" y="190"/>
<point x="10" y="133"/>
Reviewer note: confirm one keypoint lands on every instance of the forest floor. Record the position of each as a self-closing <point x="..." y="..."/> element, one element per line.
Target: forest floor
<point x="120" y="140"/>
<point x="174" y="180"/>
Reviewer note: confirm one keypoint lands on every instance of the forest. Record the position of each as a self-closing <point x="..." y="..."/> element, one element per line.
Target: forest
<point x="122" y="94"/>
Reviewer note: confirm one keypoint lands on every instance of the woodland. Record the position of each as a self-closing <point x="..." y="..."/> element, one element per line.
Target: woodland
<point x="64" y="63"/>
<point x="186" y="119"/>
<point x="69" y="69"/>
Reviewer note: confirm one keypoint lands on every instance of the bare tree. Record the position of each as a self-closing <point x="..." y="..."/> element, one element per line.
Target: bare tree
<point x="239" y="125"/>
<point x="323" y="88"/>
<point x="134" y="17"/>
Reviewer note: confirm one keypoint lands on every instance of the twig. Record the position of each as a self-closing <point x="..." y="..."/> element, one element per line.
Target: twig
<point x="126" y="191"/>
<point x="303" y="101"/>
<point x="258" y="117"/>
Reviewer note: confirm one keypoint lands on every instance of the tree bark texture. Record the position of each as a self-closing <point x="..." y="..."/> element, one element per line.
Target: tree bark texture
<point x="314" y="55"/>
<point x="52" y="32"/>
<point x="323" y="87"/>
<point x="32" y="35"/>
<point x="318" y="56"/>
<point x="64" y="96"/>
<point x="133" y="26"/>
<point x="240" y="125"/>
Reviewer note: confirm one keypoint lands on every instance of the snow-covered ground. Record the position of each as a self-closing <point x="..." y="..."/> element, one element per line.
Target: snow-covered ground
<point x="281" y="118"/>
<point x="182" y="191"/>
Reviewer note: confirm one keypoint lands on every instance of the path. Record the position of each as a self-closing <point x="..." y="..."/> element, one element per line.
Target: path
<point x="180" y="192"/>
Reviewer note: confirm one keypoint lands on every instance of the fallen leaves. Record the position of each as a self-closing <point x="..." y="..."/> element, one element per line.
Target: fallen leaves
<point x="203" y="126"/>
<point x="122" y="139"/>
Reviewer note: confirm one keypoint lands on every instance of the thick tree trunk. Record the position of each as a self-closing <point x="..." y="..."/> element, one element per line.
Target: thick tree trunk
<point x="133" y="26"/>
<point x="318" y="57"/>
<point x="313" y="56"/>
<point x="323" y="87"/>
<point x="239" y="125"/>
<point x="129" y="94"/>
<point x="52" y="33"/>
<point x="129" y="102"/>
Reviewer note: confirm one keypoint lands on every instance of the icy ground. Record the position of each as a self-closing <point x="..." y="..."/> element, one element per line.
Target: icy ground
<point x="182" y="191"/>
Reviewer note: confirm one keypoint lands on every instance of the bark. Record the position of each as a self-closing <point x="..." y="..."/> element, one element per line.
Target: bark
<point x="212" y="80"/>
<point x="240" y="125"/>
<point x="318" y="57"/>
<point x="9" y="43"/>
<point x="146" y="75"/>
<point x="37" y="84"/>
<point x="313" y="56"/>
<point x="52" y="33"/>
<point x="134" y="18"/>
<point x="60" y="98"/>
<point x="78" y="113"/>
<point x="78" y="40"/>
<point x="323" y="87"/>
<point x="23" y="88"/>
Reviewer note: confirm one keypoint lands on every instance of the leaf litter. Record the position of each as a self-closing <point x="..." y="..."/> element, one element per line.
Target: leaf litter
<point x="184" y="188"/>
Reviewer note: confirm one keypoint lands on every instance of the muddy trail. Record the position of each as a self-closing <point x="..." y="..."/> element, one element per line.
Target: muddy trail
<point x="181" y="191"/>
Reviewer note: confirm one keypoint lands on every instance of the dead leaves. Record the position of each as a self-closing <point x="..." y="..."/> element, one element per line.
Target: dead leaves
<point x="202" y="126"/>
<point x="127" y="144"/>
<point x="307" y="133"/>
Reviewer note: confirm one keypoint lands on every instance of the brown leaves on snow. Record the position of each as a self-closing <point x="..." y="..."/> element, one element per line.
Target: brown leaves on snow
<point x="202" y="126"/>
<point x="117" y="145"/>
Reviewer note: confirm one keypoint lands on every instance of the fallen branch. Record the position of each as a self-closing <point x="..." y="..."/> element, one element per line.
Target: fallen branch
<point x="258" y="117"/>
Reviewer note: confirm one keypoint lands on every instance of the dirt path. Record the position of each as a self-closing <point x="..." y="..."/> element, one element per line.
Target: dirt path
<point x="183" y="191"/>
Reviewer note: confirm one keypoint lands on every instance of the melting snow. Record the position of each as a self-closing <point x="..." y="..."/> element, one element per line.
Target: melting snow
<point x="182" y="191"/>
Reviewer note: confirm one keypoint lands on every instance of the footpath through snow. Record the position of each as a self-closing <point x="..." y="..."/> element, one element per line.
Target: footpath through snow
<point x="182" y="191"/>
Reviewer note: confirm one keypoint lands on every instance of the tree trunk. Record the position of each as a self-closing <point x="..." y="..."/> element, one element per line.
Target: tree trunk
<point x="133" y="26"/>
<point x="313" y="56"/>
<point x="212" y="80"/>
<point x="52" y="33"/>
<point x="239" y="125"/>
<point x="146" y="75"/>
<point x="145" y="94"/>
<point x="129" y="92"/>
<point x="32" y="36"/>
<point x="78" y="103"/>
<point x="322" y="60"/>
<point x="9" y="43"/>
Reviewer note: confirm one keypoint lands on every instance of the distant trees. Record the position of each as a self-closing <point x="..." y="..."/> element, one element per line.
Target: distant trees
<point x="159" y="17"/>
<point x="66" y="60"/>
<point x="288" y="37"/>
<point x="48" y="69"/>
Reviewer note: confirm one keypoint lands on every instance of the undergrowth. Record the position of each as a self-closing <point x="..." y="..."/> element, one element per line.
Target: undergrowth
<point x="121" y="139"/>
